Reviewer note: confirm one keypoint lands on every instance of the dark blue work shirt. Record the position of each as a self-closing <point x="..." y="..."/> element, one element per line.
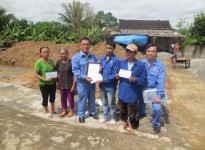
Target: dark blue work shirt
<point x="129" y="92"/>
<point x="109" y="69"/>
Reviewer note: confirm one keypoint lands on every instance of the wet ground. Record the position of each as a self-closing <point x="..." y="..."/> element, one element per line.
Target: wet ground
<point x="24" y="126"/>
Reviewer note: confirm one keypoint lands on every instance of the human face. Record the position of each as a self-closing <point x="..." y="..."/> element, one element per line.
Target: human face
<point x="85" y="46"/>
<point x="63" y="55"/>
<point x="151" y="53"/>
<point x="109" y="49"/>
<point x="45" y="53"/>
<point x="130" y="54"/>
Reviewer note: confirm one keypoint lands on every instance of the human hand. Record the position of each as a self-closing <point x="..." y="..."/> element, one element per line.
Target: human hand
<point x="48" y="79"/>
<point x="157" y="100"/>
<point x="89" y="79"/>
<point x="132" y="79"/>
<point x="99" y="81"/>
<point x="72" y="90"/>
<point x="117" y="76"/>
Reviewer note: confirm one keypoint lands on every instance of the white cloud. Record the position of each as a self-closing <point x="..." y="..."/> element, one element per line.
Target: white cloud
<point x="48" y="10"/>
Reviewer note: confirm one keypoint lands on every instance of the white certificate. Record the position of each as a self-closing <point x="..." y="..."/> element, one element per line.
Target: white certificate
<point x="96" y="78"/>
<point x="51" y="75"/>
<point x="93" y="69"/>
<point x="150" y="95"/>
<point x="125" y="73"/>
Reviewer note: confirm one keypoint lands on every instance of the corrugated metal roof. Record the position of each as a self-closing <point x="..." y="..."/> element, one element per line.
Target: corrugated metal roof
<point x="153" y="33"/>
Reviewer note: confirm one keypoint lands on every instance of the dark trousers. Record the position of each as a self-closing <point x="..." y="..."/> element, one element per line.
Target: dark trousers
<point x="130" y="111"/>
<point x="48" y="91"/>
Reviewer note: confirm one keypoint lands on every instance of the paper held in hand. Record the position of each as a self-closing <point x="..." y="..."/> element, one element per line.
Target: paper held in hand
<point x="150" y="95"/>
<point x="93" y="69"/>
<point x="93" y="72"/>
<point x="125" y="73"/>
<point x="96" y="78"/>
<point x="51" y="75"/>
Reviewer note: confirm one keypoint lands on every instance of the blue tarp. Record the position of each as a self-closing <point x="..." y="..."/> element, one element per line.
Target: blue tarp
<point x="140" y="40"/>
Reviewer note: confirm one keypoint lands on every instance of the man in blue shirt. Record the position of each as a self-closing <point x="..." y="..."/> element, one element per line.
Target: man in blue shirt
<point x="85" y="89"/>
<point x="110" y="67"/>
<point x="156" y="80"/>
<point x="130" y="88"/>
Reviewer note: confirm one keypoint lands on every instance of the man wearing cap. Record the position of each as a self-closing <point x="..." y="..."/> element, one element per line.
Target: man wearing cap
<point x="156" y="79"/>
<point x="85" y="89"/>
<point x="129" y="88"/>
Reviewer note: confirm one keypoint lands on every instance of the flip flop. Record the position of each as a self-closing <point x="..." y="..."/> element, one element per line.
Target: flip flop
<point x="125" y="125"/>
<point x="112" y="123"/>
<point x="102" y="121"/>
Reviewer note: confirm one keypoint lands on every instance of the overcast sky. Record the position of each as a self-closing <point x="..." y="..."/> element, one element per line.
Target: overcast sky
<point x="47" y="10"/>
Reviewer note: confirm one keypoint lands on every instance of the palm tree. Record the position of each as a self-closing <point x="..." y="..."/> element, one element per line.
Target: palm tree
<point x="77" y="14"/>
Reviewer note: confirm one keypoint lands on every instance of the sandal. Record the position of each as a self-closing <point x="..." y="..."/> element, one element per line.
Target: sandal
<point x="125" y="125"/>
<point x="63" y="113"/>
<point x="102" y="121"/>
<point x="70" y="114"/>
<point x="112" y="123"/>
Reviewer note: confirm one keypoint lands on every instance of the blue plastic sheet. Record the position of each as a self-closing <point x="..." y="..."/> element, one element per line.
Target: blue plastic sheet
<point x="140" y="40"/>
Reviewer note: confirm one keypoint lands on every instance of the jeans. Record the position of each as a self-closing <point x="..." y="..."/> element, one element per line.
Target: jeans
<point x="109" y="105"/>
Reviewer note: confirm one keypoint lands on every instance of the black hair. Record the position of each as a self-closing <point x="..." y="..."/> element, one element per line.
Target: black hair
<point x="43" y="48"/>
<point x="110" y="42"/>
<point x="152" y="45"/>
<point x="85" y="38"/>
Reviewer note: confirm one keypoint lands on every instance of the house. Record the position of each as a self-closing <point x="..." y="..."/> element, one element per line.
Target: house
<point x="159" y="32"/>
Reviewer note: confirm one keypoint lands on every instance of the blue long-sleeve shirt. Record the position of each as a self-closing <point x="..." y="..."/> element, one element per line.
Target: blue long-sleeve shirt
<point x="79" y="65"/>
<point x="109" y="69"/>
<point x="130" y="92"/>
<point x="156" y="74"/>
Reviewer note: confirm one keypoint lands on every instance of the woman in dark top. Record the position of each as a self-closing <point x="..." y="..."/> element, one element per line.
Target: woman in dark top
<point x="66" y="82"/>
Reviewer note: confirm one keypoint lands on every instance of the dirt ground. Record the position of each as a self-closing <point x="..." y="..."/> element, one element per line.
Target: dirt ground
<point x="24" y="54"/>
<point x="184" y="89"/>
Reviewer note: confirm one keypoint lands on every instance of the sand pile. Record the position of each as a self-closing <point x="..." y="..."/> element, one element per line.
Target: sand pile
<point x="197" y="67"/>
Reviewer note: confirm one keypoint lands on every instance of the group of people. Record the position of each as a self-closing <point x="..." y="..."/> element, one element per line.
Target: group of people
<point x="72" y="74"/>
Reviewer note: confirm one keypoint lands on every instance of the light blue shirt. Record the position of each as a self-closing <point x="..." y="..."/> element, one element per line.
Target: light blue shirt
<point x="156" y="74"/>
<point x="79" y="65"/>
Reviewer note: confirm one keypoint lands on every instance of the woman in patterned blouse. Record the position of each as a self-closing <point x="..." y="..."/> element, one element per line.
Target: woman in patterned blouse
<point x="66" y="82"/>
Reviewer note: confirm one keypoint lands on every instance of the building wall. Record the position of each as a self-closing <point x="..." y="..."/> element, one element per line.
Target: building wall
<point x="194" y="51"/>
<point x="164" y="43"/>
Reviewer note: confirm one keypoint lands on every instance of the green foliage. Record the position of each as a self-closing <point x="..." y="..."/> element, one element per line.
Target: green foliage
<point x="105" y="20"/>
<point x="197" y="29"/>
<point x="77" y="14"/>
<point x="79" y="21"/>
<point x="182" y="27"/>
<point x="194" y="33"/>
<point x="5" y="18"/>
